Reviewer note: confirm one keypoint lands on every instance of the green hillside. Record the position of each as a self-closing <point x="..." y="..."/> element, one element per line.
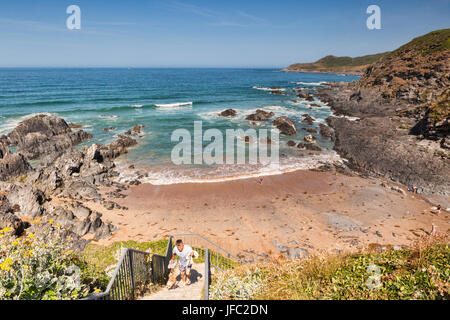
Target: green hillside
<point x="334" y="64"/>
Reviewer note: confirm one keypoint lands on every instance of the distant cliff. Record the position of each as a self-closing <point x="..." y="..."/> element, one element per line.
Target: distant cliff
<point x="332" y="64"/>
<point x="417" y="73"/>
<point x="403" y="105"/>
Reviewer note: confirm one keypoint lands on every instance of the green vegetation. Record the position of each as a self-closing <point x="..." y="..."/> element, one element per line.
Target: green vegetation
<point x="34" y="269"/>
<point x="103" y="257"/>
<point x="440" y="108"/>
<point x="338" y="64"/>
<point x="419" y="273"/>
<point x="431" y="43"/>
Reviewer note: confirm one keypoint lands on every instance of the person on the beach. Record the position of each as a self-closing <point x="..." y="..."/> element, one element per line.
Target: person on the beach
<point x="184" y="253"/>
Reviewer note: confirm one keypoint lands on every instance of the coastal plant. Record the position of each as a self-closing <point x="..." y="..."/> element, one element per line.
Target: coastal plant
<point x="236" y="285"/>
<point x="35" y="269"/>
<point x="420" y="272"/>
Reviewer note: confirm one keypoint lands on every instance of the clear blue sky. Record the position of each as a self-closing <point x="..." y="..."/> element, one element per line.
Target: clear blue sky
<point x="206" y="33"/>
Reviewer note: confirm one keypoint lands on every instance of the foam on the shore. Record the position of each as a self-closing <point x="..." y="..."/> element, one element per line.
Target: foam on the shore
<point x="223" y="173"/>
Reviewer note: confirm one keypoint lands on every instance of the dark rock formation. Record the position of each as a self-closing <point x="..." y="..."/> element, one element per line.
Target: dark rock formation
<point x="285" y="125"/>
<point x="260" y="115"/>
<point x="402" y="110"/>
<point x="326" y="131"/>
<point x="43" y="134"/>
<point x="291" y="143"/>
<point x="310" y="130"/>
<point x="308" y="119"/>
<point x="309" y="146"/>
<point x="228" y="113"/>
<point x="25" y="198"/>
<point x="13" y="165"/>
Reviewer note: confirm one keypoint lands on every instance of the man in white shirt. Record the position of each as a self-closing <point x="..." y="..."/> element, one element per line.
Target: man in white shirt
<point x="184" y="253"/>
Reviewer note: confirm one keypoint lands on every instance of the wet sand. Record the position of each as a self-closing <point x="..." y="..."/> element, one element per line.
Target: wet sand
<point x="324" y="212"/>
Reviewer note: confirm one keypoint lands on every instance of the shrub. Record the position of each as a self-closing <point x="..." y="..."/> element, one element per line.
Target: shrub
<point x="236" y="285"/>
<point x="421" y="272"/>
<point x="34" y="269"/>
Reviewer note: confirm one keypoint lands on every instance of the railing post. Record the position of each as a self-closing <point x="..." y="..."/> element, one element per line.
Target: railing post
<point x="130" y="255"/>
<point x="207" y="271"/>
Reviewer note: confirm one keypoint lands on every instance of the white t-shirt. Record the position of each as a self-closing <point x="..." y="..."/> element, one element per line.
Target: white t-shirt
<point x="183" y="255"/>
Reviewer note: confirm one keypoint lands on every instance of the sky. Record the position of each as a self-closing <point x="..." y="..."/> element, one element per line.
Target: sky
<point x="206" y="33"/>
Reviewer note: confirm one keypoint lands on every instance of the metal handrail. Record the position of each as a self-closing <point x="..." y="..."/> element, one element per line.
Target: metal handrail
<point x="207" y="275"/>
<point x="135" y="268"/>
<point x="221" y="255"/>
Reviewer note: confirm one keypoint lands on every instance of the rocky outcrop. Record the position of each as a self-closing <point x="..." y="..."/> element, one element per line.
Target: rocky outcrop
<point x="13" y="165"/>
<point x="309" y="147"/>
<point x="260" y="115"/>
<point x="326" y="131"/>
<point x="285" y="125"/>
<point x="308" y="119"/>
<point x="43" y="134"/>
<point x="117" y="148"/>
<point x="229" y="113"/>
<point x="24" y="198"/>
<point x="395" y="120"/>
<point x="372" y="145"/>
<point x="63" y="171"/>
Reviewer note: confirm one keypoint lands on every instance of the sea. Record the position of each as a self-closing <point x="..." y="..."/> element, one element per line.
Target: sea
<point x="164" y="100"/>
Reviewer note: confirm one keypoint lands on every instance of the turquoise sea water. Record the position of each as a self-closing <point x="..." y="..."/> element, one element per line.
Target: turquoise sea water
<point x="163" y="100"/>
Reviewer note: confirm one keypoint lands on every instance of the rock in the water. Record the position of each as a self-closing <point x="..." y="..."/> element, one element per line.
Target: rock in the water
<point x="325" y="131"/>
<point x="260" y="115"/>
<point x="310" y="130"/>
<point x="309" y="139"/>
<point x="228" y="113"/>
<point x="291" y="143"/>
<point x="308" y="119"/>
<point x="285" y="125"/>
<point x="309" y="146"/>
<point x="117" y="148"/>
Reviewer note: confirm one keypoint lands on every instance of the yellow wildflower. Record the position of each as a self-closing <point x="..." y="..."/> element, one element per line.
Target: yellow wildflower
<point x="51" y="221"/>
<point x="31" y="235"/>
<point x="7" y="229"/>
<point x="15" y="243"/>
<point x="6" y="265"/>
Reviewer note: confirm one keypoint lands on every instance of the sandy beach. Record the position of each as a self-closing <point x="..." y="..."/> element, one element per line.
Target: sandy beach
<point x="324" y="212"/>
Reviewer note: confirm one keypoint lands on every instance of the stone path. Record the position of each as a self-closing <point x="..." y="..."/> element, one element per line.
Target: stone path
<point x="194" y="291"/>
